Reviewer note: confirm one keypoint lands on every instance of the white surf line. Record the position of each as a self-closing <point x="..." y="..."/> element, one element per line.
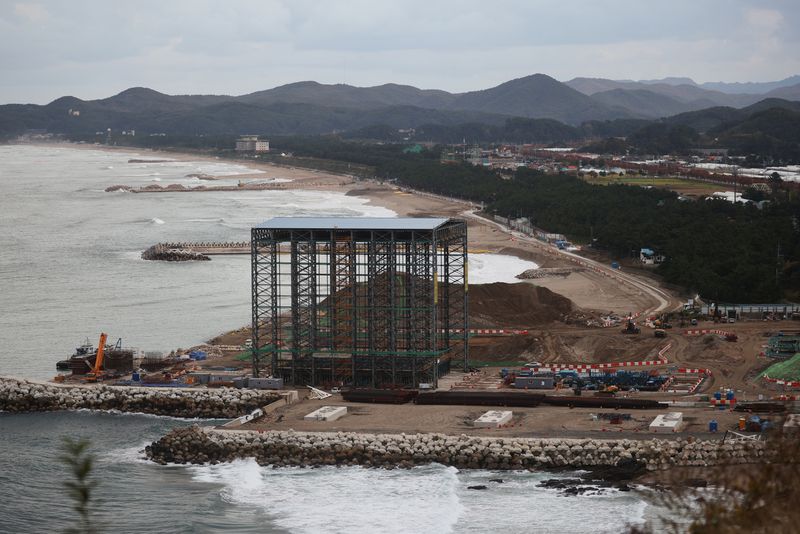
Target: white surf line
<point x="659" y="295"/>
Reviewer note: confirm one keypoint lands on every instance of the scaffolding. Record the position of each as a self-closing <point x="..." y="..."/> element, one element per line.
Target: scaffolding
<point x="359" y="302"/>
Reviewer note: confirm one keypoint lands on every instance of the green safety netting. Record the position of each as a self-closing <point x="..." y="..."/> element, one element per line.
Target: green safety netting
<point x="785" y="370"/>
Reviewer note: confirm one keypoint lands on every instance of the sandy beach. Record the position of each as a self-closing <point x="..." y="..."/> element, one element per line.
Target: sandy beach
<point x="588" y="289"/>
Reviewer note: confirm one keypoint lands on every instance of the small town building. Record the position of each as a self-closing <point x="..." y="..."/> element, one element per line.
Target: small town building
<point x="649" y="257"/>
<point x="251" y="143"/>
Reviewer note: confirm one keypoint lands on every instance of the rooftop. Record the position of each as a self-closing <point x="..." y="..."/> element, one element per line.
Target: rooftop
<point x="353" y="223"/>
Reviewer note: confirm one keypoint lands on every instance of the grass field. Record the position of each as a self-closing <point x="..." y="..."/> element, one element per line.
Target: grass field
<point x="673" y="183"/>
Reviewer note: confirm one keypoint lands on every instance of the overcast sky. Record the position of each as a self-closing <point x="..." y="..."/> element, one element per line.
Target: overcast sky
<point x="92" y="49"/>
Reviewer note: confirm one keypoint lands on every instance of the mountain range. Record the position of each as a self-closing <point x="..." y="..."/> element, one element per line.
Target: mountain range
<point x="314" y="108"/>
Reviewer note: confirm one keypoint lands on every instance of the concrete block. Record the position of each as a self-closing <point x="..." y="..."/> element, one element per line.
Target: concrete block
<point x="493" y="419"/>
<point x="792" y="423"/>
<point x="327" y="413"/>
<point x="667" y="422"/>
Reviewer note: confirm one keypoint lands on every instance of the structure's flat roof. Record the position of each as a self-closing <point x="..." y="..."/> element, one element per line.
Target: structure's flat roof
<point x="353" y="223"/>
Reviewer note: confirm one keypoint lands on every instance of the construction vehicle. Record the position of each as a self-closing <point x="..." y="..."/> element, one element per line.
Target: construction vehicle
<point x="578" y="385"/>
<point x="631" y="328"/>
<point x="660" y="332"/>
<point x="607" y="391"/>
<point x="97" y="371"/>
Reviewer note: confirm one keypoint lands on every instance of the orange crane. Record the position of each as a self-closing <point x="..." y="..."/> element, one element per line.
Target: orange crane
<point x="98" y="360"/>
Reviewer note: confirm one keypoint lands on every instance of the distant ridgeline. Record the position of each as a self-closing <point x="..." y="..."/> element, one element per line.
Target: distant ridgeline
<point x="532" y="109"/>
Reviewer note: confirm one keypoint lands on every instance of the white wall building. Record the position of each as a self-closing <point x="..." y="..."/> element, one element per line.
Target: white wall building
<point x="251" y="143"/>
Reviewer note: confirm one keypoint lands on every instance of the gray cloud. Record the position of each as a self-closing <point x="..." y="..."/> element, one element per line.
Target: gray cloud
<point x="92" y="49"/>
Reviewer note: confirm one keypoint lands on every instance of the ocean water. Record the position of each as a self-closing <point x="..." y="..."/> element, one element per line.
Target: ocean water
<point x="136" y="496"/>
<point x="71" y="265"/>
<point x="70" y="268"/>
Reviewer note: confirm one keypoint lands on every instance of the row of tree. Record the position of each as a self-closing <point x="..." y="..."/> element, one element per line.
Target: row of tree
<point x="725" y="252"/>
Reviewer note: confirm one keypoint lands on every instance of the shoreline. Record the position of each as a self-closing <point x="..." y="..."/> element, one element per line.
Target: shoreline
<point x="483" y="235"/>
<point x="583" y="288"/>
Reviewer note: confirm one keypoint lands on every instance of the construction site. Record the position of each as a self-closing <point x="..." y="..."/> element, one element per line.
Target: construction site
<point x="374" y="323"/>
<point x="359" y="302"/>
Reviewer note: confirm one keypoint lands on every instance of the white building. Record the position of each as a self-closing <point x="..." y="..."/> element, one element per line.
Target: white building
<point x="251" y="143"/>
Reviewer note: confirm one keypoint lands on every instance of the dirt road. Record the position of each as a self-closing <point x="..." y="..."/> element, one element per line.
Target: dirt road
<point x="662" y="301"/>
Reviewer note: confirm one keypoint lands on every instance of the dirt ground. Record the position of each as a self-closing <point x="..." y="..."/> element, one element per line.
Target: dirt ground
<point x="542" y="421"/>
<point x="549" y="339"/>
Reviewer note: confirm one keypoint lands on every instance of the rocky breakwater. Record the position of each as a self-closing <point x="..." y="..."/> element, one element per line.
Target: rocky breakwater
<point x="25" y="396"/>
<point x="197" y="445"/>
<point x="161" y="252"/>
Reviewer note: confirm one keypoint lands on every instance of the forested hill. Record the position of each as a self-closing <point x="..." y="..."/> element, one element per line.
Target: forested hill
<point x="314" y="108"/>
<point x="766" y="132"/>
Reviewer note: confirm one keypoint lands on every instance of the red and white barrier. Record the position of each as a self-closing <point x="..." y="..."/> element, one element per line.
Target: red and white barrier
<point x="691" y="389"/>
<point x="662" y="359"/>
<point x="688" y="371"/>
<point x="704" y="332"/>
<point x="490" y="332"/>
<point x="701" y="375"/>
<point x="784" y="383"/>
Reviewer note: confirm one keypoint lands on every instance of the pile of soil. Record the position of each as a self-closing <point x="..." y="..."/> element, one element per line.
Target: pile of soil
<point x="521" y="348"/>
<point x="503" y="305"/>
<point x="234" y="337"/>
<point x="601" y="346"/>
<point x="515" y="305"/>
<point x="710" y="349"/>
<point x="611" y="346"/>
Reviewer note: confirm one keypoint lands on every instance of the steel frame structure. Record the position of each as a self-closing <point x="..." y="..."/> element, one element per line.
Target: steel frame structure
<point x="359" y="302"/>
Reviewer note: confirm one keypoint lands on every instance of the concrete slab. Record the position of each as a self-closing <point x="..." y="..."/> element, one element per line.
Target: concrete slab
<point x="792" y="423"/>
<point x="493" y="419"/>
<point x="667" y="422"/>
<point x="327" y="413"/>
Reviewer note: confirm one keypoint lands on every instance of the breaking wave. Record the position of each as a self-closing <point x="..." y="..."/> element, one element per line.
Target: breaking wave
<point x="351" y="499"/>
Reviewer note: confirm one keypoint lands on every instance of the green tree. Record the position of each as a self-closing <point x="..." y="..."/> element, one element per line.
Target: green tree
<point x="80" y="461"/>
<point x="735" y="499"/>
<point x="775" y="181"/>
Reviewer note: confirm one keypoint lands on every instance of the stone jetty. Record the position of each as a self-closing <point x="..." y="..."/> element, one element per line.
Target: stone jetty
<point x="223" y="403"/>
<point x="161" y="252"/>
<point x="200" y="445"/>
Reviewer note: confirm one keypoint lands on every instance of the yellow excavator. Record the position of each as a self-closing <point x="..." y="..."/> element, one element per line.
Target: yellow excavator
<point x="97" y="371"/>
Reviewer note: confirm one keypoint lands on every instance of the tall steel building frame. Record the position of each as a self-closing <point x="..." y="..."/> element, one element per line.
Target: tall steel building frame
<point x="361" y="302"/>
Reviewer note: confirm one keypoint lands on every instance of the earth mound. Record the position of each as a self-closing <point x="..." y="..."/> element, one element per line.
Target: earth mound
<point x="521" y="305"/>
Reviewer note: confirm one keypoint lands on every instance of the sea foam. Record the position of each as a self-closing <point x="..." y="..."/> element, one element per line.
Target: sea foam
<point x="350" y="499"/>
